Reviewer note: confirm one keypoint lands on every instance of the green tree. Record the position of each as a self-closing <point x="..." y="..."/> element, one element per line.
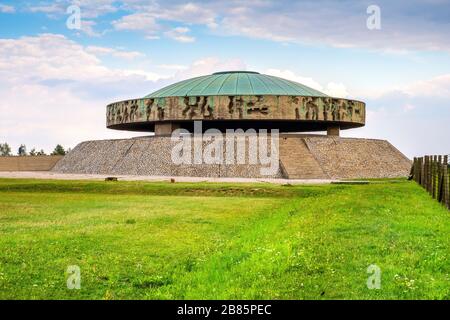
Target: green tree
<point x="33" y="152"/>
<point x="59" y="151"/>
<point x="5" y="149"/>
<point x="22" y="150"/>
<point x="41" y="153"/>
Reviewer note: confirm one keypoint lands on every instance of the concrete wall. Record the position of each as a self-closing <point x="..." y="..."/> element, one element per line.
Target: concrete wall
<point x="28" y="163"/>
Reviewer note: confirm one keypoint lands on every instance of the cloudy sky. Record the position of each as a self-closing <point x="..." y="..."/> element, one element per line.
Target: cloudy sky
<point x="56" y="78"/>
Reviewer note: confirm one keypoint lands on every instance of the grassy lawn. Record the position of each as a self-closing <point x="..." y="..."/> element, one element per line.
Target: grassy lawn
<point x="137" y="240"/>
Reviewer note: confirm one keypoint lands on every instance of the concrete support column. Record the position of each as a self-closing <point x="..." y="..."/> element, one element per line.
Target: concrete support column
<point x="165" y="128"/>
<point x="333" y="131"/>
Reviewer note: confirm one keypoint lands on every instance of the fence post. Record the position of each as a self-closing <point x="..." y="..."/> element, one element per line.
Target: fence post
<point x="428" y="174"/>
<point x="439" y="178"/>
<point x="423" y="176"/>
<point x="421" y="171"/>
<point x="446" y="188"/>
<point x="416" y="170"/>
<point x="435" y="179"/>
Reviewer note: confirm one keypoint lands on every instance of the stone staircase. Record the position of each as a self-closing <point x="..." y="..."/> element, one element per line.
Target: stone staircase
<point x="297" y="161"/>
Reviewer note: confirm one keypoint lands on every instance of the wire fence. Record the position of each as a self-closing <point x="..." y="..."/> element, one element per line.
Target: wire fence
<point x="432" y="173"/>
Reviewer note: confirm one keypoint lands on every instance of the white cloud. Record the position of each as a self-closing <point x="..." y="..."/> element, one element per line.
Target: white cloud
<point x="43" y="117"/>
<point x="148" y="18"/>
<point x="190" y="13"/>
<point x="55" y="90"/>
<point x="87" y="26"/>
<point x="265" y="26"/>
<point x="290" y="75"/>
<point x="130" y="55"/>
<point x="415" y="26"/>
<point x="408" y="107"/>
<point x="332" y="89"/>
<point x="89" y="8"/>
<point x="413" y="117"/>
<point x="436" y="87"/>
<point x="143" y="22"/>
<point x="46" y="56"/>
<point x="6" y="8"/>
<point x="137" y="21"/>
<point x="336" y="90"/>
<point x="180" y="34"/>
<point x="96" y="8"/>
<point x="51" y="56"/>
<point x="172" y="67"/>
<point x="418" y="25"/>
<point x="209" y="65"/>
<point x="47" y="8"/>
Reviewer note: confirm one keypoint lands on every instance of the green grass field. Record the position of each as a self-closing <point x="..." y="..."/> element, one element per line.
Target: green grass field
<point x="136" y="240"/>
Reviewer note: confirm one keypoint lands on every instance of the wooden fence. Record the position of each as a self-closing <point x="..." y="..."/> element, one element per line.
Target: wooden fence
<point x="432" y="173"/>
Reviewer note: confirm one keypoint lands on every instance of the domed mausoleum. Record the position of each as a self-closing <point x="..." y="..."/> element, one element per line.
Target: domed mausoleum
<point x="244" y="102"/>
<point x="237" y="99"/>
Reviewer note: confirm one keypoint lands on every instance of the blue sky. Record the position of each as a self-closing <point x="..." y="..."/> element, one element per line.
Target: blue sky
<point x="55" y="82"/>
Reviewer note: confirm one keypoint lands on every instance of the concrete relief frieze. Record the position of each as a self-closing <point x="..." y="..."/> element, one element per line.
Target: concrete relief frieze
<point x="236" y="107"/>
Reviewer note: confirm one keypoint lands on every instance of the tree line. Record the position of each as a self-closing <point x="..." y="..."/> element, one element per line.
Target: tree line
<point x="5" y="150"/>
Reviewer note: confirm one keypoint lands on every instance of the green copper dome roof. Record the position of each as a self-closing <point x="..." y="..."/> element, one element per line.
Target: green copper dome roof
<point x="235" y="83"/>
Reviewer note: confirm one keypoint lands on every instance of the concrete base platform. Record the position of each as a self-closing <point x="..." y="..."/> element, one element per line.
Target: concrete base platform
<point x="100" y="177"/>
<point x="301" y="157"/>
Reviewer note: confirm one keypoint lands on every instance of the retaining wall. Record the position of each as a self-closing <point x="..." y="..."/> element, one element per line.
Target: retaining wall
<point x="28" y="163"/>
<point x="318" y="157"/>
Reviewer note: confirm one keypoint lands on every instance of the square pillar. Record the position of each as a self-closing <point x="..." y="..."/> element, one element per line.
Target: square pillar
<point x="333" y="131"/>
<point x="165" y="128"/>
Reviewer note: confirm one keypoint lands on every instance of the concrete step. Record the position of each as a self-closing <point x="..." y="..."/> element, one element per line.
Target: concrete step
<point x="297" y="160"/>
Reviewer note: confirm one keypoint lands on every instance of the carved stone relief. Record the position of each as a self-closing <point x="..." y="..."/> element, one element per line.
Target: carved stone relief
<point x="236" y="107"/>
